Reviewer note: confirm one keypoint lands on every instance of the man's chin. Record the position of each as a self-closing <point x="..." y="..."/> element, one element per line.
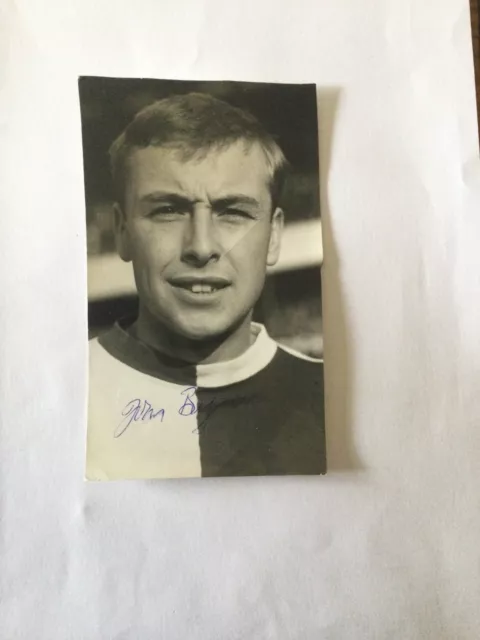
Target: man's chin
<point x="212" y="329"/>
<point x="202" y="334"/>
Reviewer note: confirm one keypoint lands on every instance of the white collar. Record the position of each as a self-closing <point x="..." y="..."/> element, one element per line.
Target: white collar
<point x="250" y="362"/>
<point x="138" y="355"/>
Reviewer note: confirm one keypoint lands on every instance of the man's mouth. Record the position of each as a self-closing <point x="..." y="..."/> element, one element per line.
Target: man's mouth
<point x="200" y="286"/>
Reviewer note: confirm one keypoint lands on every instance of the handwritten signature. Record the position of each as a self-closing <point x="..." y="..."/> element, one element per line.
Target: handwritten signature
<point x="142" y="411"/>
<point x="137" y="411"/>
<point x="188" y="408"/>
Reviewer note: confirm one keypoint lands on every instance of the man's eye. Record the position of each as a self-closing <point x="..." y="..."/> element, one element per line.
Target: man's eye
<point x="234" y="214"/>
<point x="165" y="210"/>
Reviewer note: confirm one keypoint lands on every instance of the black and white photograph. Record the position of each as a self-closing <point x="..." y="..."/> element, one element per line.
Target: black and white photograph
<point x="204" y="247"/>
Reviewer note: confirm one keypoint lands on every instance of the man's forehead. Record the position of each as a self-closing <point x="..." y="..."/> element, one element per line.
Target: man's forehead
<point x="236" y="160"/>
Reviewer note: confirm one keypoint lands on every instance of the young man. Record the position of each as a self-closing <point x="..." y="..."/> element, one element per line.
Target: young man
<point x="191" y="387"/>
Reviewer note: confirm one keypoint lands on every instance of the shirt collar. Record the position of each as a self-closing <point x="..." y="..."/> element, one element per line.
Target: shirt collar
<point x="136" y="354"/>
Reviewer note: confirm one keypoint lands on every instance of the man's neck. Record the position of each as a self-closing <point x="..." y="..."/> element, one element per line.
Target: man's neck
<point x="219" y="349"/>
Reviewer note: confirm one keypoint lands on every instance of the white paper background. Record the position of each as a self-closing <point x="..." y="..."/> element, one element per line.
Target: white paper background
<point x="388" y="544"/>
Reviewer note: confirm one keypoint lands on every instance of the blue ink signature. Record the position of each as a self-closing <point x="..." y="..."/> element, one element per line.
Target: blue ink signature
<point x="209" y="407"/>
<point x="142" y="411"/>
<point x="188" y="407"/>
<point x="137" y="411"/>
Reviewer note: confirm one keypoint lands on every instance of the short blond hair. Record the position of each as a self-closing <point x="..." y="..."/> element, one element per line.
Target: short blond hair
<point x="195" y="123"/>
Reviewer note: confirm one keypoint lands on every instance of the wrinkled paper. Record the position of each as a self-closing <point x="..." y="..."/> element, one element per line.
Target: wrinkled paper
<point x="386" y="545"/>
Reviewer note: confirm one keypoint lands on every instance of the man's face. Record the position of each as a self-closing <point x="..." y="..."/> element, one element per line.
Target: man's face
<point x="200" y="234"/>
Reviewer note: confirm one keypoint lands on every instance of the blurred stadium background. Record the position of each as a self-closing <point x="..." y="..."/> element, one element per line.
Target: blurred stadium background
<point x="290" y="305"/>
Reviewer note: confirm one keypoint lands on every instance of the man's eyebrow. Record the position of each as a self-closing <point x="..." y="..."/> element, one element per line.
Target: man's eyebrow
<point x="224" y="202"/>
<point x="162" y="196"/>
<point x="239" y="198"/>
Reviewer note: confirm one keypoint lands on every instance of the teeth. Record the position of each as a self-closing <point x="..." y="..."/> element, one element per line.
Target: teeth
<point x="202" y="288"/>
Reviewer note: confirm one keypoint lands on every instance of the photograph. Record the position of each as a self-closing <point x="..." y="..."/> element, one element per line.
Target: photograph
<point x="204" y="256"/>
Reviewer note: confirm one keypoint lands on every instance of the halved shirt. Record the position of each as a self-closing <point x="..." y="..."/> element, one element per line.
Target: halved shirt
<point x="151" y="416"/>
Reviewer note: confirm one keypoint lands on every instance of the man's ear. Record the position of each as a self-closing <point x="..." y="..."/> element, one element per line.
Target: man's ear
<point x="122" y="236"/>
<point x="275" y="237"/>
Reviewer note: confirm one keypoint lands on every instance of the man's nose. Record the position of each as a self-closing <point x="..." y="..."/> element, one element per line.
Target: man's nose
<point x="200" y="244"/>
